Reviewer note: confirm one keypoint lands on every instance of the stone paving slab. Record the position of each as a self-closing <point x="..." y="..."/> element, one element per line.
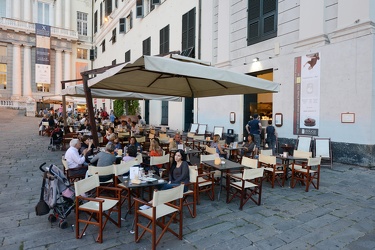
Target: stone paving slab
<point x="337" y="216"/>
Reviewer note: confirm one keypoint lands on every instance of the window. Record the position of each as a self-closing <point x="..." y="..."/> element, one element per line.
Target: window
<point x="139" y="9"/>
<point x="129" y="21"/>
<point x="43" y="13"/>
<point x="82" y="23"/>
<point x="3" y="4"/>
<point x="114" y="62"/>
<point x="3" y="76"/>
<point x="262" y="20"/>
<point x="96" y="22"/>
<point x="108" y="7"/>
<point x="101" y="14"/>
<point x="127" y="56"/>
<point x="122" y="25"/>
<point x="147" y="47"/>
<point x="42" y="87"/>
<point x="113" y="38"/>
<point x="164" y="40"/>
<point x="81" y="53"/>
<point x="155" y="2"/>
<point x="152" y="6"/>
<point x="188" y="33"/>
<point x="103" y="46"/>
<point x="116" y="3"/>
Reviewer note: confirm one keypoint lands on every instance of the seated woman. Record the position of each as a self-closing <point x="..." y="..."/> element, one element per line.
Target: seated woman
<point x="103" y="159"/>
<point x="155" y="150"/>
<point x="86" y="142"/>
<point x="134" y="128"/>
<point x="250" y="149"/>
<point x="216" y="144"/>
<point x="131" y="154"/>
<point x="133" y="142"/>
<point x="179" y="173"/>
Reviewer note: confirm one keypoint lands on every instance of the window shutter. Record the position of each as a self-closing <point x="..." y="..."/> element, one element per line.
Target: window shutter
<point x="96" y="22"/>
<point x="108" y="9"/>
<point x="131" y="19"/>
<point x="184" y="31"/>
<point x="154" y="2"/>
<point x="269" y="14"/>
<point x="127" y="56"/>
<point x="139" y="9"/>
<point x="191" y="31"/>
<point x="122" y="25"/>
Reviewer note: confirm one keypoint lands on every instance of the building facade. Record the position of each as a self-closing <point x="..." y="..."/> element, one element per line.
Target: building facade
<point x="41" y="43"/>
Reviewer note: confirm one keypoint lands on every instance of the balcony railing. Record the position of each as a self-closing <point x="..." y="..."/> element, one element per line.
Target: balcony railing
<point x="28" y="27"/>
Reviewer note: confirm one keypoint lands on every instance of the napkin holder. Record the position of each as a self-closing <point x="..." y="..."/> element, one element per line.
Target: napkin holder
<point x="217" y="161"/>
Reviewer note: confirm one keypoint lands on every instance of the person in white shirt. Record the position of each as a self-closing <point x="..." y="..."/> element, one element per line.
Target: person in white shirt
<point x="75" y="161"/>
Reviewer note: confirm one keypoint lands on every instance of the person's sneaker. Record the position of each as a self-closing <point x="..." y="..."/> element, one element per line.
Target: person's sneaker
<point x="144" y="207"/>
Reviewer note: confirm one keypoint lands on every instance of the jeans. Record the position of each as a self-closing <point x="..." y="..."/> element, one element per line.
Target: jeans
<point x="257" y="140"/>
<point x="172" y="185"/>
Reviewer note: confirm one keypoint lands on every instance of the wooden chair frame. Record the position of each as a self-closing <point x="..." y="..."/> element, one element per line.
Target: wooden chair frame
<point x="245" y="187"/>
<point x="163" y="205"/>
<point x="273" y="171"/>
<point x="96" y="208"/>
<point x="308" y="174"/>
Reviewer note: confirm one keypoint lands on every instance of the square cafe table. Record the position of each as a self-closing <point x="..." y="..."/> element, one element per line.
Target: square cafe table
<point x="286" y="161"/>
<point x="226" y="167"/>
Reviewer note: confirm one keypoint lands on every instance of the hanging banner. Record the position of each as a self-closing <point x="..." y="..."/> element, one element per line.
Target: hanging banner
<point x="307" y="95"/>
<point x="42" y="57"/>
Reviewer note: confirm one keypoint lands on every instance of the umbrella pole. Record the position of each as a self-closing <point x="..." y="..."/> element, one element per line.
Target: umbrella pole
<point x="90" y="108"/>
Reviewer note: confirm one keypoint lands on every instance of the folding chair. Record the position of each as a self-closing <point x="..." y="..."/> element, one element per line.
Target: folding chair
<point x="96" y="208"/>
<point x="163" y="206"/>
<point x="274" y="172"/>
<point x="307" y="174"/>
<point x="245" y="187"/>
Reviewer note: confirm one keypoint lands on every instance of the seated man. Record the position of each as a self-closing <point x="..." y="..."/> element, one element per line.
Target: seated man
<point x="75" y="161"/>
<point x="175" y="142"/>
<point x="103" y="159"/>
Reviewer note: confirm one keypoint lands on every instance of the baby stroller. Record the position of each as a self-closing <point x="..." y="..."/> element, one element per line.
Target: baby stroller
<point x="57" y="194"/>
<point x="56" y="139"/>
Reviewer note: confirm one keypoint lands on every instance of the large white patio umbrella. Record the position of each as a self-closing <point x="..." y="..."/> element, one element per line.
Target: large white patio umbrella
<point x="178" y="76"/>
<point x="77" y="91"/>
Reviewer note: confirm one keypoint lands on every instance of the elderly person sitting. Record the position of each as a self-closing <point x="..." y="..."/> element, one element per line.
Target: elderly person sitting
<point x="103" y="159"/>
<point x="75" y="160"/>
<point x="175" y="142"/>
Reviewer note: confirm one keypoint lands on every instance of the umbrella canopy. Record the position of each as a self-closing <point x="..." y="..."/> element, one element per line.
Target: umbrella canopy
<point x="77" y="91"/>
<point x="55" y="99"/>
<point x="179" y="76"/>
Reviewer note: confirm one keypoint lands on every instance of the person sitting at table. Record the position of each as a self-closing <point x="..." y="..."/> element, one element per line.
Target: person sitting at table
<point x="215" y="144"/>
<point x="131" y="154"/>
<point x="134" y="128"/>
<point x="75" y="160"/>
<point x="133" y="142"/>
<point x="141" y="121"/>
<point x="87" y="143"/>
<point x="111" y="139"/>
<point x="103" y="159"/>
<point x="41" y="126"/>
<point x="178" y="173"/>
<point x="175" y="142"/>
<point x="117" y="121"/>
<point x="156" y="150"/>
<point x="109" y="132"/>
<point x="117" y="144"/>
<point x="250" y="149"/>
<point x="123" y="126"/>
<point x="85" y="126"/>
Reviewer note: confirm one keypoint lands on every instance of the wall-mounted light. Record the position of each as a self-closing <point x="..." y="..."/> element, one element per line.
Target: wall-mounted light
<point x="256" y="59"/>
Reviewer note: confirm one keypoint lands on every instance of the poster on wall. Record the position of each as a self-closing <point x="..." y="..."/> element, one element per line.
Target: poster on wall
<point x="307" y="94"/>
<point x="42" y="57"/>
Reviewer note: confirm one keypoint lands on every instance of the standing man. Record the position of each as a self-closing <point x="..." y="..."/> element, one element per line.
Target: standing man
<point x="254" y="127"/>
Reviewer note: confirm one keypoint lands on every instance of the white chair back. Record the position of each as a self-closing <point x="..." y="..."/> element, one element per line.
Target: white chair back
<point x="266" y="152"/>
<point x="267" y="159"/>
<point x="249" y="174"/>
<point x="124" y="167"/>
<point x="208" y="157"/>
<point x="156" y="160"/>
<point x="314" y="161"/>
<point x="302" y="154"/>
<point x="101" y="171"/>
<point x="86" y="185"/>
<point x="198" y="137"/>
<point x="210" y="150"/>
<point x="141" y="139"/>
<point x="250" y="163"/>
<point x="304" y="143"/>
<point x="164" y="196"/>
<point x="193" y="173"/>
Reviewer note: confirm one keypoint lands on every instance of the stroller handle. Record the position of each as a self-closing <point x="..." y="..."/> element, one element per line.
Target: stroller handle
<point x="41" y="167"/>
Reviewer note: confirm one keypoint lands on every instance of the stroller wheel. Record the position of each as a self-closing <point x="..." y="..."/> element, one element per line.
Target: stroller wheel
<point x="63" y="224"/>
<point x="52" y="218"/>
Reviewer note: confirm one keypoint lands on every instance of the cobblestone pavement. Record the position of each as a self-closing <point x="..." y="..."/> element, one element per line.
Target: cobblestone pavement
<point x="340" y="215"/>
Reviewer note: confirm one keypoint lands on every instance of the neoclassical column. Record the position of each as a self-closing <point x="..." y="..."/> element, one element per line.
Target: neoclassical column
<point x="16" y="73"/>
<point x="27" y="10"/>
<point x="67" y="14"/>
<point x="58" y="12"/>
<point x="58" y="71"/>
<point x="16" y="9"/>
<point x="26" y="70"/>
<point x="67" y="63"/>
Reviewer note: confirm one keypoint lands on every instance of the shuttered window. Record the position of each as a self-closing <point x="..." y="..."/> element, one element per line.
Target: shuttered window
<point x="122" y="25"/>
<point x="146" y="47"/>
<point x="127" y="56"/>
<point x="139" y="9"/>
<point x="262" y="20"/>
<point x="188" y="33"/>
<point x="108" y="7"/>
<point x="164" y="40"/>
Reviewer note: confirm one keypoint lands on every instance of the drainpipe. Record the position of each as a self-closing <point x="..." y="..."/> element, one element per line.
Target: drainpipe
<point x="199" y="40"/>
